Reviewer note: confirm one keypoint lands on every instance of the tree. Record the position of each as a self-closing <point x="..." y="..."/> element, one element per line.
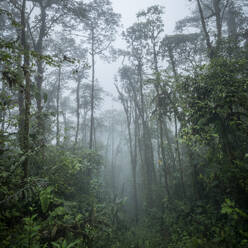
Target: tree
<point x="125" y="96"/>
<point x="80" y="75"/>
<point x="153" y="27"/>
<point x="101" y="26"/>
<point x="135" y="38"/>
<point x="216" y="25"/>
<point x="27" y="83"/>
<point x="50" y="13"/>
<point x="133" y="83"/>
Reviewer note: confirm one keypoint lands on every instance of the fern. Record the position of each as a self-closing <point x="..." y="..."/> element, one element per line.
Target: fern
<point x="45" y="198"/>
<point x="65" y="245"/>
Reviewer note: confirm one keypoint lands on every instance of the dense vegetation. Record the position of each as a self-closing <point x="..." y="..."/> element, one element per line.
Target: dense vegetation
<point x="168" y="170"/>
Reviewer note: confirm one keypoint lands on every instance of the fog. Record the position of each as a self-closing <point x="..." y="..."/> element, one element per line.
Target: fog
<point x="123" y="124"/>
<point x="174" y="11"/>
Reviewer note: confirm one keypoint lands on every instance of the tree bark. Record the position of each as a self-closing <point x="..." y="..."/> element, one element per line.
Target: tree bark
<point x="27" y="99"/>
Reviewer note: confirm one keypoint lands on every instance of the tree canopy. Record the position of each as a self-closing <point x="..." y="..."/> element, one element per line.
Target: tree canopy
<point x="167" y="169"/>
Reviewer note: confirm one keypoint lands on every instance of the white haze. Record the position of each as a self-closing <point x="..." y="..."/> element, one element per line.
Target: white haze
<point x="174" y="11"/>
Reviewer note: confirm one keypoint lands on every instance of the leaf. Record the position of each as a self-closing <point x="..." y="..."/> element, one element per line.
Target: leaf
<point x="71" y="245"/>
<point x="56" y="244"/>
<point x="45" y="198"/>
<point x="59" y="211"/>
<point x="53" y="233"/>
<point x="45" y="97"/>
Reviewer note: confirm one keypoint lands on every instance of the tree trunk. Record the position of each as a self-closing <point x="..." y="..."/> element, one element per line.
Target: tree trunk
<point x="27" y="100"/>
<point x="39" y="77"/>
<point x="20" y="105"/>
<point x="176" y="116"/>
<point x="165" y="165"/>
<point x="135" y="166"/>
<point x="179" y="157"/>
<point x="2" y="110"/>
<point x="85" y="137"/>
<point x="65" y="128"/>
<point x="57" y="109"/>
<point x="217" y="11"/>
<point x="113" y="158"/>
<point x="205" y="31"/>
<point x="78" y="110"/>
<point x="160" y="119"/>
<point x="232" y="21"/>
<point x="92" y="100"/>
<point x="132" y="145"/>
<point x="148" y="156"/>
<point x="170" y="148"/>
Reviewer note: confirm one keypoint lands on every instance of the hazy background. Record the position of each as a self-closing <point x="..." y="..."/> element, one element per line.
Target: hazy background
<point x="174" y="11"/>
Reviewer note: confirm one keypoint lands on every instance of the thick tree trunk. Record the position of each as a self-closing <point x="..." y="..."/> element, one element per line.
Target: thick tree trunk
<point x="27" y="99"/>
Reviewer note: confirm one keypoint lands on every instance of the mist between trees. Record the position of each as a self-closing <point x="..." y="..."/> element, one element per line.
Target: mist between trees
<point x="168" y="170"/>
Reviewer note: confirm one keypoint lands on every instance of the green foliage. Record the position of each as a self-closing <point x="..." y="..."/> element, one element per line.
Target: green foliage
<point x="215" y="101"/>
<point x="63" y="244"/>
<point x="63" y="202"/>
<point x="214" y="104"/>
<point x="30" y="236"/>
<point x="67" y="208"/>
<point x="45" y="198"/>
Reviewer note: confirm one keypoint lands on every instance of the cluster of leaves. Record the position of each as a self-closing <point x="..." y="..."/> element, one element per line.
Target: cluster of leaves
<point x="64" y="207"/>
<point x="214" y="102"/>
<point x="61" y="202"/>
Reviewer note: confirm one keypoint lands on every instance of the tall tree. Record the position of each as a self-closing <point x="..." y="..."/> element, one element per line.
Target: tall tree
<point x="50" y="13"/>
<point x="100" y="25"/>
<point x="125" y="96"/>
<point x="80" y="73"/>
<point x="153" y="27"/>
<point x="27" y="80"/>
